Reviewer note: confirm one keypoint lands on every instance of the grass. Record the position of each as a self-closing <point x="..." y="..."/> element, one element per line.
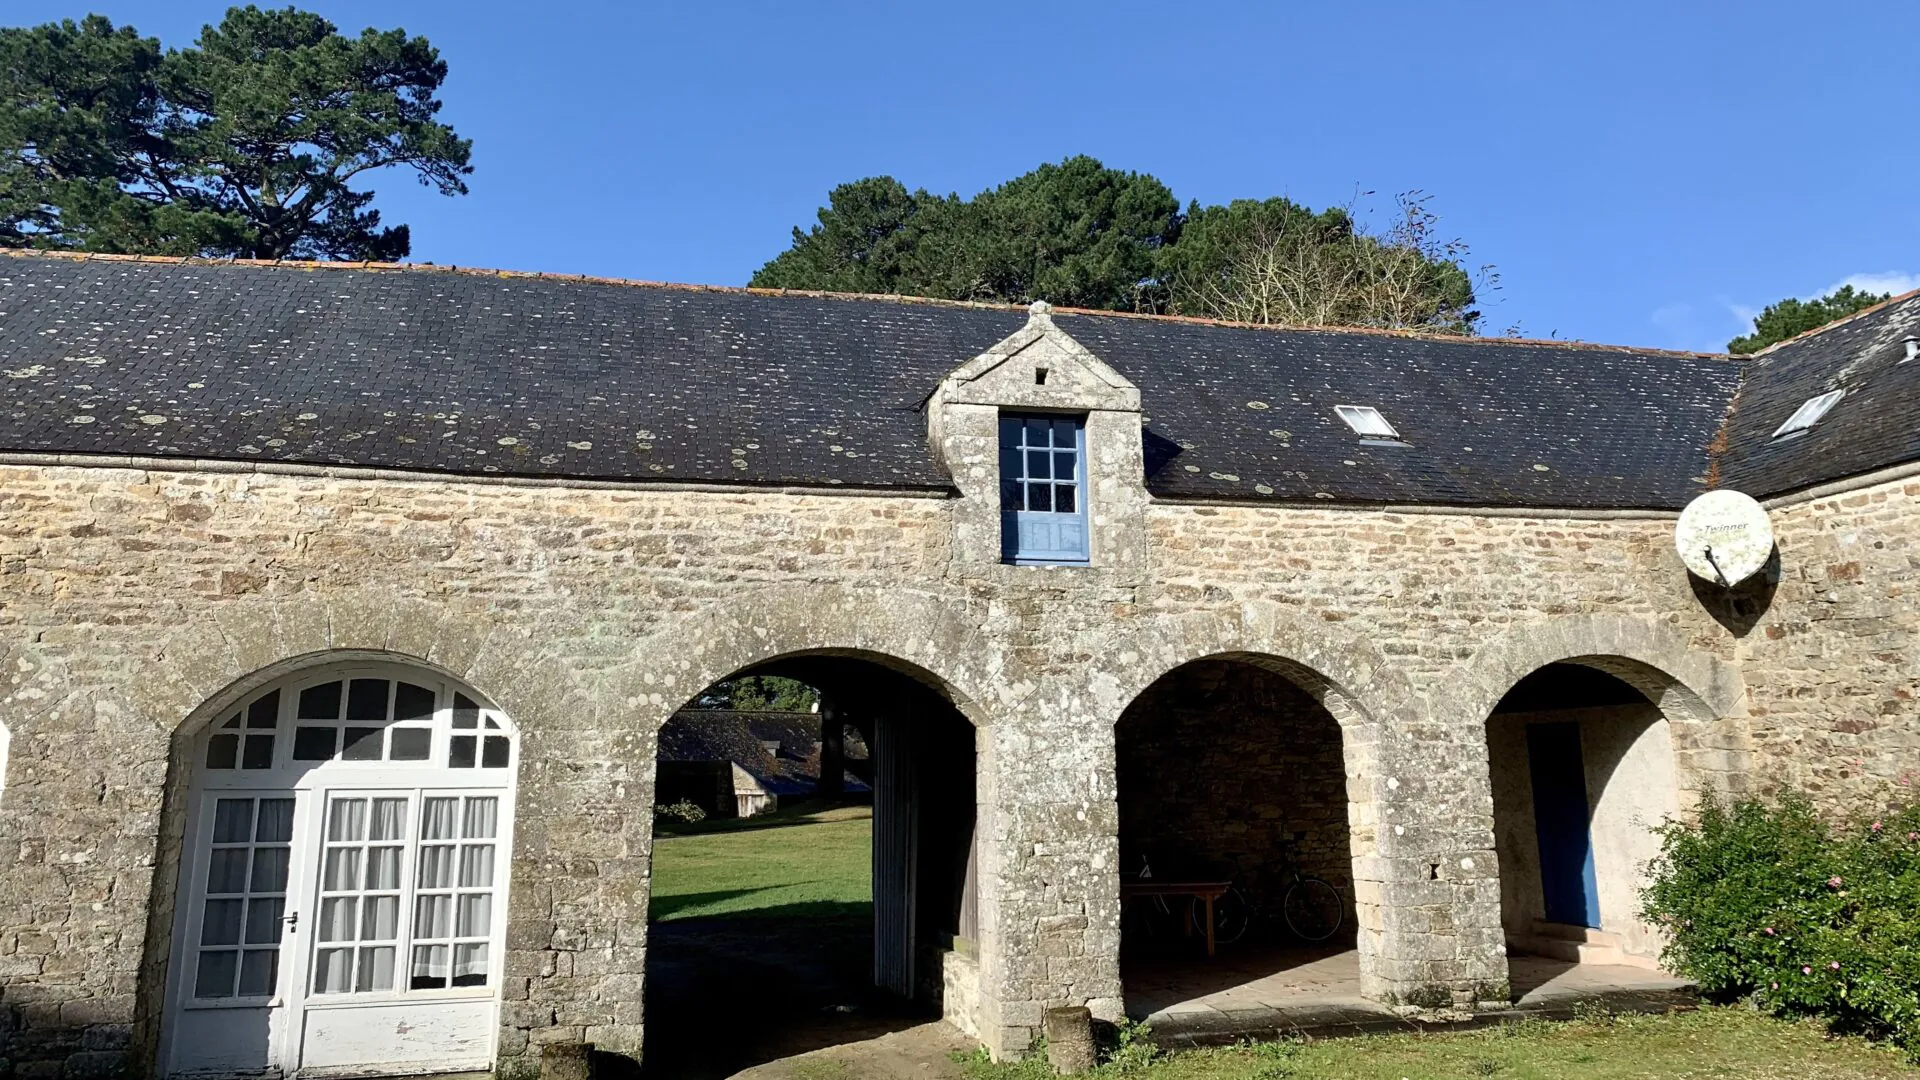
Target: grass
<point x="801" y="863"/>
<point x="1733" y="1043"/>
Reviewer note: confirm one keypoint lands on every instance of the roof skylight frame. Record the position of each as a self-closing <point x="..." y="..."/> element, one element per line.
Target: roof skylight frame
<point x="1810" y="412"/>
<point x="1367" y="422"/>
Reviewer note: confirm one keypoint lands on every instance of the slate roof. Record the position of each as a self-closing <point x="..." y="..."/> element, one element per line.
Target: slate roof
<point x="1874" y="425"/>
<point x="741" y="738"/>
<point x="582" y="379"/>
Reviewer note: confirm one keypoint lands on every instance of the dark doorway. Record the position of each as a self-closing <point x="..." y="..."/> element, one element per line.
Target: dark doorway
<point x="1231" y="771"/>
<point x="820" y="917"/>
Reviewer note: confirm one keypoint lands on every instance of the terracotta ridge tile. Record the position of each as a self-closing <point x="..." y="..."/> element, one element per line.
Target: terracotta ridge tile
<point x="895" y="298"/>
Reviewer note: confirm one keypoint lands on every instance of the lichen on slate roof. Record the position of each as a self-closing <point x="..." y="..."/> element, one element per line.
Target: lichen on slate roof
<point x="579" y="379"/>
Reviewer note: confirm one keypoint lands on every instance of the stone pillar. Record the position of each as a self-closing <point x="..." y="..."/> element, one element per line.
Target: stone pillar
<point x="833" y="751"/>
<point x="577" y="917"/>
<point x="1049" y="894"/>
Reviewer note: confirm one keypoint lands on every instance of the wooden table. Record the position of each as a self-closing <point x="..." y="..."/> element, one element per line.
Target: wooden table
<point x="1204" y="891"/>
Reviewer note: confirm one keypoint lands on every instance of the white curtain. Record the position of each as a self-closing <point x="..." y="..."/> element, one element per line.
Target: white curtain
<point x="227" y="870"/>
<point x="380" y="918"/>
<point x="389" y="819"/>
<point x="437" y="818"/>
<point x="215" y="977"/>
<point x="476" y="866"/>
<point x="220" y="924"/>
<point x="470" y="960"/>
<point x="276" y="822"/>
<point x="232" y="821"/>
<point x="432" y="917"/>
<point x="383" y="868"/>
<point x="476" y="915"/>
<point x="482" y="815"/>
<point x="337" y="918"/>
<point x="332" y="971"/>
<point x="263" y="920"/>
<point x="342" y="870"/>
<point x="376" y="969"/>
<point x="257" y="972"/>
<point x="347" y="820"/>
<point x="269" y="870"/>
<point x="436" y="867"/>
<point x="430" y="963"/>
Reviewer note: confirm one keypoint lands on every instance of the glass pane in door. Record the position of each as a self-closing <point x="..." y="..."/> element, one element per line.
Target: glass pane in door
<point x="454" y="885"/>
<point x="357" y="933"/>
<point x="238" y="953"/>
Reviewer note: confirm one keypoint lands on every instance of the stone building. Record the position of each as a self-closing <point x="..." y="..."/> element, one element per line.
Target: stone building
<point x="340" y="608"/>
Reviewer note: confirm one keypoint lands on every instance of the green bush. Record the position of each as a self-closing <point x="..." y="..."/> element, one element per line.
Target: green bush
<point x="686" y="811"/>
<point x="1802" y="917"/>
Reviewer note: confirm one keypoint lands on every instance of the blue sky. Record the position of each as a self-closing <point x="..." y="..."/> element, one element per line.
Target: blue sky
<point x="1641" y="173"/>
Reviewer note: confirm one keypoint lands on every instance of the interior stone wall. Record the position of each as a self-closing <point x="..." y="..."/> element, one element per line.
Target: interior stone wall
<point x="1222" y="762"/>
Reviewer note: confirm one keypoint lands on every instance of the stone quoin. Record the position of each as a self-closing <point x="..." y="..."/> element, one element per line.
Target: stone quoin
<point x="305" y="566"/>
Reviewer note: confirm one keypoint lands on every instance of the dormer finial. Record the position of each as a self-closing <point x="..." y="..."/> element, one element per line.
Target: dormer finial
<point x="1040" y="307"/>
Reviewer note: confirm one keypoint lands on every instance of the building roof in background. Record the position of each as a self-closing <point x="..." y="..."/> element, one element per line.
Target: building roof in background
<point x="743" y="737"/>
<point x="482" y="373"/>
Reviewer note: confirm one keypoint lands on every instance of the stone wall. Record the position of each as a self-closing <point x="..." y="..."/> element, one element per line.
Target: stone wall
<point x="1834" y="659"/>
<point x="133" y="601"/>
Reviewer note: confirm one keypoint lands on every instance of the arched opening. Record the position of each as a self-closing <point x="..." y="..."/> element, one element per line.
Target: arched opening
<point x="341" y="882"/>
<point x="813" y="864"/>
<point x="1233" y="773"/>
<point x="1583" y="769"/>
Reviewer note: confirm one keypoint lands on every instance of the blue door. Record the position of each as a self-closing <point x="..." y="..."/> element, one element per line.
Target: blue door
<point x="1560" y="818"/>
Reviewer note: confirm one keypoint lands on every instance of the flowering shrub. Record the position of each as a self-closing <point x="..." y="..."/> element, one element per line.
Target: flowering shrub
<point x="1776" y="905"/>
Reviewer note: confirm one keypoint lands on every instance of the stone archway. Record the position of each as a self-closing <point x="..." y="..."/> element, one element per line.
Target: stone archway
<point x="226" y="651"/>
<point x="1596" y="730"/>
<point x="1342" y="675"/>
<point x="1702" y="696"/>
<point x="824" y="635"/>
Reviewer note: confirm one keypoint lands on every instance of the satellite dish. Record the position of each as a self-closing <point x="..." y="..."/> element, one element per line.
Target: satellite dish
<point x="1724" y="536"/>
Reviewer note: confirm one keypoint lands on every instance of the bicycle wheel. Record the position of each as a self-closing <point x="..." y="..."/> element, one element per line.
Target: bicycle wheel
<point x="1313" y="909"/>
<point x="1231" y="917"/>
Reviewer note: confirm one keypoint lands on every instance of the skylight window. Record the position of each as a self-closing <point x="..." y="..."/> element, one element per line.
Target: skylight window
<point x="1808" y="414"/>
<point x="1366" y="421"/>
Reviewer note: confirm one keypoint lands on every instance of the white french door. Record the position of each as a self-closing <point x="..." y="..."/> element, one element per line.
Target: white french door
<point x="400" y="967"/>
<point x="341" y="906"/>
<point x="235" y="983"/>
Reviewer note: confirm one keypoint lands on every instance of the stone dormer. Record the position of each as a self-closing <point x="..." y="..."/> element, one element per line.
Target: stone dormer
<point x="1041" y="376"/>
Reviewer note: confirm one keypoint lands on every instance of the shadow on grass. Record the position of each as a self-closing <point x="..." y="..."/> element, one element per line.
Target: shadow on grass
<point x="670" y="908"/>
<point x="804" y="814"/>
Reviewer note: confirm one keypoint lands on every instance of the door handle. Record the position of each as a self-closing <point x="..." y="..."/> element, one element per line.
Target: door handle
<point x="292" y="919"/>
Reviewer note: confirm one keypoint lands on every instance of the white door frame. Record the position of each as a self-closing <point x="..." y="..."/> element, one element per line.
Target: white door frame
<point x="428" y="770"/>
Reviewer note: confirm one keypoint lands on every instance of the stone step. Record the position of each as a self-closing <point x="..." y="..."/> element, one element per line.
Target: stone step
<point x="1567" y="932"/>
<point x="1572" y="952"/>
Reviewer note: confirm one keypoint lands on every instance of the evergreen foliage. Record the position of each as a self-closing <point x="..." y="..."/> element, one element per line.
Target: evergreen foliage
<point x="1775" y="904"/>
<point x="1080" y="234"/>
<point x="1790" y="317"/>
<point x="243" y="144"/>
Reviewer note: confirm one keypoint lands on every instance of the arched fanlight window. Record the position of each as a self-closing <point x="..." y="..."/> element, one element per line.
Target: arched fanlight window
<point x="345" y="867"/>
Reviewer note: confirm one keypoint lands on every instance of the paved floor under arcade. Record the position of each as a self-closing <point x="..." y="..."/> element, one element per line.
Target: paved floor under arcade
<point x="1262" y="991"/>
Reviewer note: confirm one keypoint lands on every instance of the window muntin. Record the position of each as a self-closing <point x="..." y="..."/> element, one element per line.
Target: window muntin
<point x="248" y="855"/>
<point x="1366" y="421"/>
<point x="361" y="719"/>
<point x="454" y="898"/>
<point x="1043" y="486"/>
<point x="1808" y="414"/>
<point x="338" y="882"/>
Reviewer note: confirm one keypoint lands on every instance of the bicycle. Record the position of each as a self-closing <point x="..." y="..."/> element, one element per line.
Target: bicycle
<point x="1312" y="909"/>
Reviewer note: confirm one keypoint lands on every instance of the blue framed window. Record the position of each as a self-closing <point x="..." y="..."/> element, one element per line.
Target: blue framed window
<point x="1043" y="489"/>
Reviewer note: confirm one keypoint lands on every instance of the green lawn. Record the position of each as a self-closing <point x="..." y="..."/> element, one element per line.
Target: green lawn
<point x="791" y="864"/>
<point x="1733" y="1043"/>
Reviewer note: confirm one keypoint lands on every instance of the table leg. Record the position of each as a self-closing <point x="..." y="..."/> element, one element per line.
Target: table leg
<point x="1209" y="903"/>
